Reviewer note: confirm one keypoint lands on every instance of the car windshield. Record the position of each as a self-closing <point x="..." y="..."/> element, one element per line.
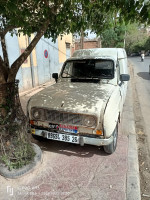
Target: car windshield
<point x="85" y="69"/>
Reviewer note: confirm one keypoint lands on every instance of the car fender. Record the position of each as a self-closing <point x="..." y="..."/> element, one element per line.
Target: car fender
<point x="111" y="113"/>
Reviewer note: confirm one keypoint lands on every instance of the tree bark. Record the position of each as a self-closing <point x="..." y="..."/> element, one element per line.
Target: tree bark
<point x="5" y="54"/>
<point x="2" y="77"/>
<point x="8" y="28"/>
<point x="3" y="71"/>
<point x="15" y="144"/>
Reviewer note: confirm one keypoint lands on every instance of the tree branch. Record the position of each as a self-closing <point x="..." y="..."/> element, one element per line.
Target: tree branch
<point x="3" y="71"/>
<point x="5" y="54"/>
<point x="46" y="2"/>
<point x="16" y="65"/>
<point x="8" y="28"/>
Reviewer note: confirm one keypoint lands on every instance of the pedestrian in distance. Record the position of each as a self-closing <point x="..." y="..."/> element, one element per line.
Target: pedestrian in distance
<point x="142" y="57"/>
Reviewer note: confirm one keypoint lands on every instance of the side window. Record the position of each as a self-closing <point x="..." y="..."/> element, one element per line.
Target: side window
<point x="118" y="72"/>
<point x="67" y="70"/>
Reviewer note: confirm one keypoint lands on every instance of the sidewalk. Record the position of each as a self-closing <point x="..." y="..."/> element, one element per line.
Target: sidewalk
<point x="72" y="172"/>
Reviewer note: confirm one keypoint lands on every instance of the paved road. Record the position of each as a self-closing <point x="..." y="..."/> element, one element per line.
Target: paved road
<point x="142" y="82"/>
<point x="141" y="87"/>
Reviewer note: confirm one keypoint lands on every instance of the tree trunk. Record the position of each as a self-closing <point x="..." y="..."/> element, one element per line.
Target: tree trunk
<point x="3" y="72"/>
<point x="5" y="54"/>
<point x="15" y="146"/>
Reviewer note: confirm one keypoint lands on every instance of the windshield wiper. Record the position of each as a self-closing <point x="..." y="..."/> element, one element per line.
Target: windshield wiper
<point x="71" y="76"/>
<point x="76" y="77"/>
<point x="84" y="77"/>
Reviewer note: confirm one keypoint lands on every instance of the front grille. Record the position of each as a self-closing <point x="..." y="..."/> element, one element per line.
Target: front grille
<point x="58" y="117"/>
<point x="62" y="117"/>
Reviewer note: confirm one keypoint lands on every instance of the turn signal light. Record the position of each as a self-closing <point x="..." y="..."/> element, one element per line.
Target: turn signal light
<point x="32" y="122"/>
<point x="99" y="132"/>
<point x="33" y="131"/>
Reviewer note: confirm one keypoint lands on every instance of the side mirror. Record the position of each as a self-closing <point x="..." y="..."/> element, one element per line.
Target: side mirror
<point x="124" y="77"/>
<point x="55" y="76"/>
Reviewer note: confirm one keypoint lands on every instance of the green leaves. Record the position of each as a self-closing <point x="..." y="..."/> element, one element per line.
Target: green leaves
<point x="136" y="38"/>
<point x="113" y="37"/>
<point x="11" y="6"/>
<point x="71" y="16"/>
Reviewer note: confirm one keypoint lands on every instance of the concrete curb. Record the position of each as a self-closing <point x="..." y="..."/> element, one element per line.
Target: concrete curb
<point x="133" y="180"/>
<point x="16" y="173"/>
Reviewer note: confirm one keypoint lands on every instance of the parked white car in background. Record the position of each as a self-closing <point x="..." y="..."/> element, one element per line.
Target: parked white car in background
<point x="85" y="104"/>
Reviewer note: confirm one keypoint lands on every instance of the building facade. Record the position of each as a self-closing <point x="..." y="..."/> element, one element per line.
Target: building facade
<point x="88" y="43"/>
<point x="46" y="58"/>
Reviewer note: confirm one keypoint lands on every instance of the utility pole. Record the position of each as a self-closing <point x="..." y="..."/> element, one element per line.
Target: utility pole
<point x="82" y="32"/>
<point x="125" y="40"/>
<point x="31" y="67"/>
<point x="82" y="39"/>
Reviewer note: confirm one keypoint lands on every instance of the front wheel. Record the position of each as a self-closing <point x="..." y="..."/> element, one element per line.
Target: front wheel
<point x="112" y="146"/>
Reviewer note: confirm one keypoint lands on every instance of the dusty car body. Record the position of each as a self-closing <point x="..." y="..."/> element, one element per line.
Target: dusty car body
<point x="85" y="104"/>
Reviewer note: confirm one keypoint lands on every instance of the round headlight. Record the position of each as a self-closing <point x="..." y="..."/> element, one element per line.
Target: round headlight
<point x="37" y="114"/>
<point x="89" y="121"/>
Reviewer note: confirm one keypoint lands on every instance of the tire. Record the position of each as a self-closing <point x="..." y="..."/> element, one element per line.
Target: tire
<point x="112" y="146"/>
<point x="39" y="138"/>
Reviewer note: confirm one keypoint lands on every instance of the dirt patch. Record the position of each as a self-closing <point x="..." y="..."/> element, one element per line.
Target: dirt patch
<point x="143" y="150"/>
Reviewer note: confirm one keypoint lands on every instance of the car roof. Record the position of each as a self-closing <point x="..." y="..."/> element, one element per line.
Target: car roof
<point x="95" y="53"/>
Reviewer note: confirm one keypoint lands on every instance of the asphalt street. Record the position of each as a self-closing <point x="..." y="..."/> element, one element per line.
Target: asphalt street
<point x="141" y="107"/>
<point x="142" y="82"/>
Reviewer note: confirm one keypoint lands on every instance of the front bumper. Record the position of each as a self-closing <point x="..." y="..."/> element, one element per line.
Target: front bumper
<point x="81" y="139"/>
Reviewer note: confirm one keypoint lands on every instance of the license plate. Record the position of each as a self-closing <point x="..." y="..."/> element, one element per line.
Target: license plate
<point x="63" y="137"/>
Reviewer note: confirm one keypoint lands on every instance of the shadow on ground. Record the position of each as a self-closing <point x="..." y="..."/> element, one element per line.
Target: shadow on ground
<point x="144" y="75"/>
<point x="69" y="149"/>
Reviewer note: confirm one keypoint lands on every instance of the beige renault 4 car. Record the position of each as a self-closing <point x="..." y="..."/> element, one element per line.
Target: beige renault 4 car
<point x="84" y="106"/>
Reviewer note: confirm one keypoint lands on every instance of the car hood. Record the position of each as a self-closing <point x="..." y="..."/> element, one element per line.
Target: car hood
<point x="73" y="97"/>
